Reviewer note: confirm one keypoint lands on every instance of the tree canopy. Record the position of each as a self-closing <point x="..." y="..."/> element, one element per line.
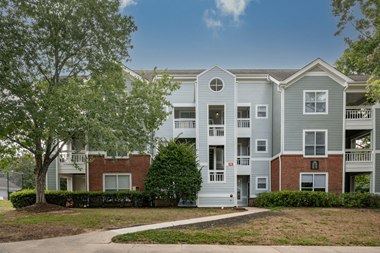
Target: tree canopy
<point x="174" y="173"/>
<point x="362" y="57"/>
<point x="61" y="79"/>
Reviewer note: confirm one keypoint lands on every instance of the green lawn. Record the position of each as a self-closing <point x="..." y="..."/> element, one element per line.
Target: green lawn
<point x="5" y="203"/>
<point x="298" y="226"/>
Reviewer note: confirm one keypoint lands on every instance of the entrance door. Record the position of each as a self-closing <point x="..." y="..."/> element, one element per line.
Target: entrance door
<point x="242" y="190"/>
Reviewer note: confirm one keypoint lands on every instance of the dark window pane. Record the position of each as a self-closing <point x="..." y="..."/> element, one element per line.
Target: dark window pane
<point x="306" y="184"/>
<point x="321" y="107"/>
<point x="306" y="189"/>
<point x="309" y="150"/>
<point x="310" y="107"/>
<point x="320" y="150"/>
<point x="319" y="189"/>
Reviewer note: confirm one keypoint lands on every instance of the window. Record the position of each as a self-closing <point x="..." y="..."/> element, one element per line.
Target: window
<point x="187" y="115"/>
<point x="315" y="102"/>
<point x="315" y="142"/>
<point x="313" y="182"/>
<point x="216" y="164"/>
<point x="216" y="85"/>
<point x="261" y="146"/>
<point x="261" y="111"/>
<point x="116" y="182"/>
<point x="261" y="183"/>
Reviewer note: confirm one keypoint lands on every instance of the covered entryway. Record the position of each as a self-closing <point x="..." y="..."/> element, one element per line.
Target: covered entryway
<point x="242" y="190"/>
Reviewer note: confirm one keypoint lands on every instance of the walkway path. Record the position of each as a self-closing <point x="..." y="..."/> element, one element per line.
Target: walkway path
<point x="101" y="242"/>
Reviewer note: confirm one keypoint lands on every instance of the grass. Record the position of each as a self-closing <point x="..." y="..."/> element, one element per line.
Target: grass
<point x="5" y="204"/>
<point x="298" y="226"/>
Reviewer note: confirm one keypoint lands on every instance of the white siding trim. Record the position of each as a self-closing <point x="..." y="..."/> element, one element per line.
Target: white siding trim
<point x="266" y="184"/>
<point x="266" y="146"/>
<point x="214" y="195"/>
<point x="209" y="82"/>
<point x="184" y="104"/>
<point x="266" y="111"/>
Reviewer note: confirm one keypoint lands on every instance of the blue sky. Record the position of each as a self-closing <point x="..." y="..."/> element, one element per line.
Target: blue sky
<point x="236" y="34"/>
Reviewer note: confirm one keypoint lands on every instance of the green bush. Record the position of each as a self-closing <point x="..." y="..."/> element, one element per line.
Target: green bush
<point x="316" y="199"/>
<point x="81" y="199"/>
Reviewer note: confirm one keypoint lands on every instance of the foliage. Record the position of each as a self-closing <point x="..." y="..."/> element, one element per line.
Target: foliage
<point x="61" y="81"/>
<point x="26" y="166"/>
<point x="363" y="54"/>
<point x="174" y="173"/>
<point x="79" y="199"/>
<point x="63" y="184"/>
<point x="317" y="199"/>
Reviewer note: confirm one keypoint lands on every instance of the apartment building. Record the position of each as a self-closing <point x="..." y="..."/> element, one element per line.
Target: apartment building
<point x="307" y="129"/>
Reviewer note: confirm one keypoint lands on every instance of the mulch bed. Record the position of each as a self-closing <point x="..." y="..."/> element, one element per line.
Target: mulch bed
<point x="227" y="222"/>
<point x="42" y="208"/>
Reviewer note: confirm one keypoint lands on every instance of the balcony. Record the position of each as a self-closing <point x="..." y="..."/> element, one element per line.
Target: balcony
<point x="359" y="160"/>
<point x="243" y="122"/>
<point x="243" y="160"/>
<point x="67" y="160"/>
<point x="184" y="122"/>
<point x="358" y="117"/>
<point x="216" y="128"/>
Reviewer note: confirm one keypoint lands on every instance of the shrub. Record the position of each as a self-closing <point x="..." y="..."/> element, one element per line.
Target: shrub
<point x="82" y="199"/>
<point x="174" y="173"/>
<point x="316" y="199"/>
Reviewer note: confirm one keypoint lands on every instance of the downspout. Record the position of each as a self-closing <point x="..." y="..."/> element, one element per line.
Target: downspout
<point x="344" y="138"/>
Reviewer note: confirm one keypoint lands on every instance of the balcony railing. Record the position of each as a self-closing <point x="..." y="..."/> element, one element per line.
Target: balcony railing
<point x="243" y="160"/>
<point x="357" y="155"/>
<point x="71" y="158"/>
<point x="184" y="123"/>
<point x="355" y="113"/>
<point x="216" y="130"/>
<point x="217" y="176"/>
<point x="243" y="123"/>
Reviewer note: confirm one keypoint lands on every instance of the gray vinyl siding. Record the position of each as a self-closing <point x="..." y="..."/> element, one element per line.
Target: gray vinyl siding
<point x="276" y="119"/>
<point x="377" y="117"/>
<point x="227" y="97"/>
<point x="184" y="95"/>
<point x="52" y="176"/>
<point x="296" y="121"/>
<point x="259" y="169"/>
<point x="258" y="94"/>
<point x="377" y="174"/>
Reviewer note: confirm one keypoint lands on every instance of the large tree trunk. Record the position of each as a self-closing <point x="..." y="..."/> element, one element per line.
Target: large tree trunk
<point x="40" y="188"/>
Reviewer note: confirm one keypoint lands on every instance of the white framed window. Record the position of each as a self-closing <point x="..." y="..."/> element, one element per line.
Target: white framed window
<point x="261" y="111"/>
<point x="262" y="183"/>
<point x="117" y="182"/>
<point x="315" y="101"/>
<point x="315" y="143"/>
<point x="187" y="115"/>
<point x="314" y="181"/>
<point x="216" y="165"/>
<point x="216" y="85"/>
<point x="261" y="146"/>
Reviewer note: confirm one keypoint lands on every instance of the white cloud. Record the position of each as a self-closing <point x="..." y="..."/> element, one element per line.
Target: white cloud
<point x="125" y="3"/>
<point x="210" y="21"/>
<point x="232" y="7"/>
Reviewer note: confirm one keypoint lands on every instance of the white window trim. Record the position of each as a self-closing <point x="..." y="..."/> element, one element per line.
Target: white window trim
<point x="326" y="142"/>
<point x="315" y="173"/>
<point x="266" y="145"/>
<point x="266" y="184"/>
<point x="266" y="108"/>
<point x="213" y="79"/>
<point x="315" y="113"/>
<point x="117" y="182"/>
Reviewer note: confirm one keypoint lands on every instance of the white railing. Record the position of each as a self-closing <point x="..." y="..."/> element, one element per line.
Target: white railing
<point x="353" y="112"/>
<point x="243" y="123"/>
<point x="184" y="123"/>
<point x="357" y="155"/>
<point x="216" y="130"/>
<point x="71" y="158"/>
<point x="217" y="176"/>
<point x="243" y="160"/>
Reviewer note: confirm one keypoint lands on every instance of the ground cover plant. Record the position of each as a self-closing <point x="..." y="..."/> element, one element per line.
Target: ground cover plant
<point x="21" y="225"/>
<point x="298" y="226"/>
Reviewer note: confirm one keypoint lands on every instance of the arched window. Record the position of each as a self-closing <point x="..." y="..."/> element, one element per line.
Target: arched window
<point x="216" y="84"/>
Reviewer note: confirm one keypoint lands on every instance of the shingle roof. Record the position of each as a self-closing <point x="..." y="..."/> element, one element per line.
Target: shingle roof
<point x="278" y="74"/>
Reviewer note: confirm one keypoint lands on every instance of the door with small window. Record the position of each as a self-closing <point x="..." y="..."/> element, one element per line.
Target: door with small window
<point x="242" y="190"/>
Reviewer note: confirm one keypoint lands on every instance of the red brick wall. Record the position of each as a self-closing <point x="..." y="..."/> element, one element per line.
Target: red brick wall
<point x="275" y="175"/>
<point x="137" y="165"/>
<point x="292" y="165"/>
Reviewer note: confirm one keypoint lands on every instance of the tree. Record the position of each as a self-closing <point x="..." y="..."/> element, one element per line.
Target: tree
<point x="26" y="166"/>
<point x="362" y="57"/>
<point x="61" y="79"/>
<point x="174" y="173"/>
